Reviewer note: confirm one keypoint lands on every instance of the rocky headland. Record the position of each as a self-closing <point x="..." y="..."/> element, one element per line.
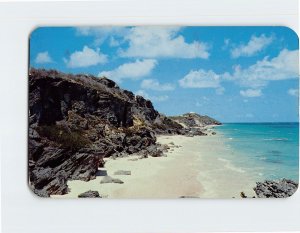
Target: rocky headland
<point x="75" y="121"/>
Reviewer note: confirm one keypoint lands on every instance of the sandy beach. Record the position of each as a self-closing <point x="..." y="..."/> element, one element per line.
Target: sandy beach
<point x="192" y="167"/>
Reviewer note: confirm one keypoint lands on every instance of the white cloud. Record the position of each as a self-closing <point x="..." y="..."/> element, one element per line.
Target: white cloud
<point x="85" y="58"/>
<point x="254" y="77"/>
<point x="255" y="45"/>
<point x="147" y="41"/>
<point x="152" y="98"/>
<point x="251" y="93"/>
<point x="282" y="67"/>
<point x="113" y="42"/>
<point x="200" y="79"/>
<point x="293" y="92"/>
<point x="43" y="58"/>
<point x="134" y="70"/>
<point x="102" y="33"/>
<point x="153" y="42"/>
<point x="153" y="84"/>
<point x="226" y="44"/>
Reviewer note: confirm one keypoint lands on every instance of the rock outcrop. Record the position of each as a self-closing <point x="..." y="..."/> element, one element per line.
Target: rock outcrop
<point x="77" y="120"/>
<point x="89" y="194"/>
<point x="275" y="189"/>
<point x="108" y="179"/>
<point x="191" y="120"/>
<point x="194" y="124"/>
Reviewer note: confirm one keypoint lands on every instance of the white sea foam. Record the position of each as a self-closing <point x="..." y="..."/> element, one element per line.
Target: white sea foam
<point x="230" y="166"/>
<point x="275" y="139"/>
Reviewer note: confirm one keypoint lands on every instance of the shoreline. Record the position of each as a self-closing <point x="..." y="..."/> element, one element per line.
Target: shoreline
<point x="192" y="167"/>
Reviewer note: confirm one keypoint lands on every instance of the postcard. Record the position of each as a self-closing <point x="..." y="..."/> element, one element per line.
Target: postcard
<point x="163" y="112"/>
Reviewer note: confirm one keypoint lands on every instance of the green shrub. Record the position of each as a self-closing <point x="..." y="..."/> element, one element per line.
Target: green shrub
<point x="73" y="140"/>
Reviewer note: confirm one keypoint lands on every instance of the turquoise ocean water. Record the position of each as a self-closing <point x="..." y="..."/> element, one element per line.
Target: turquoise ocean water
<point x="264" y="150"/>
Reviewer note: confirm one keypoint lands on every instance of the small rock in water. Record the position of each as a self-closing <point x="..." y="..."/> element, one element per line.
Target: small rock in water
<point x="89" y="194"/>
<point x="121" y="172"/>
<point x="108" y="179"/>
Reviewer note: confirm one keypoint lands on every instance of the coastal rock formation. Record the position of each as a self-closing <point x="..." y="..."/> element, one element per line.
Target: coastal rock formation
<point x="89" y="194"/>
<point x="77" y="120"/>
<point x="194" y="124"/>
<point x="192" y="120"/>
<point x="275" y="189"/>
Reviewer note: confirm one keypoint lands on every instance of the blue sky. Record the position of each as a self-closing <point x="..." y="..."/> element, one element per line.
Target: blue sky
<point x="234" y="74"/>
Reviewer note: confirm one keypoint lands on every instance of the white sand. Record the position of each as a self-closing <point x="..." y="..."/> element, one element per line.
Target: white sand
<point x="198" y="168"/>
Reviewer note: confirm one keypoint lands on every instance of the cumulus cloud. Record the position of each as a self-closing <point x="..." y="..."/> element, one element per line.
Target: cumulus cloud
<point x="43" y="58"/>
<point x="200" y="79"/>
<point x="293" y="92"/>
<point x="153" y="42"/>
<point x="147" y="41"/>
<point x="153" y="84"/>
<point x="160" y="98"/>
<point x="102" y="33"/>
<point x="85" y="58"/>
<point x="255" y="77"/>
<point x="255" y="45"/>
<point x="133" y="70"/>
<point x="251" y="93"/>
<point x="282" y="67"/>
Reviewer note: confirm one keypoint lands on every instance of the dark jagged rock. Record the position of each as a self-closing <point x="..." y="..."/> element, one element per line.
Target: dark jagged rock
<point x="89" y="194"/>
<point x="275" y="189"/>
<point x="165" y="125"/>
<point x="77" y="120"/>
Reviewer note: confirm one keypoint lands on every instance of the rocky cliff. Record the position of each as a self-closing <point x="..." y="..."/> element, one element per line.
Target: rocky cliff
<point x="190" y="120"/>
<point x="194" y="124"/>
<point x="77" y="120"/>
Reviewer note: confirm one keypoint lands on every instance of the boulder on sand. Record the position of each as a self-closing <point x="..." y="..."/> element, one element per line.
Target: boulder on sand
<point x="108" y="179"/>
<point x="89" y="194"/>
<point x="122" y="172"/>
